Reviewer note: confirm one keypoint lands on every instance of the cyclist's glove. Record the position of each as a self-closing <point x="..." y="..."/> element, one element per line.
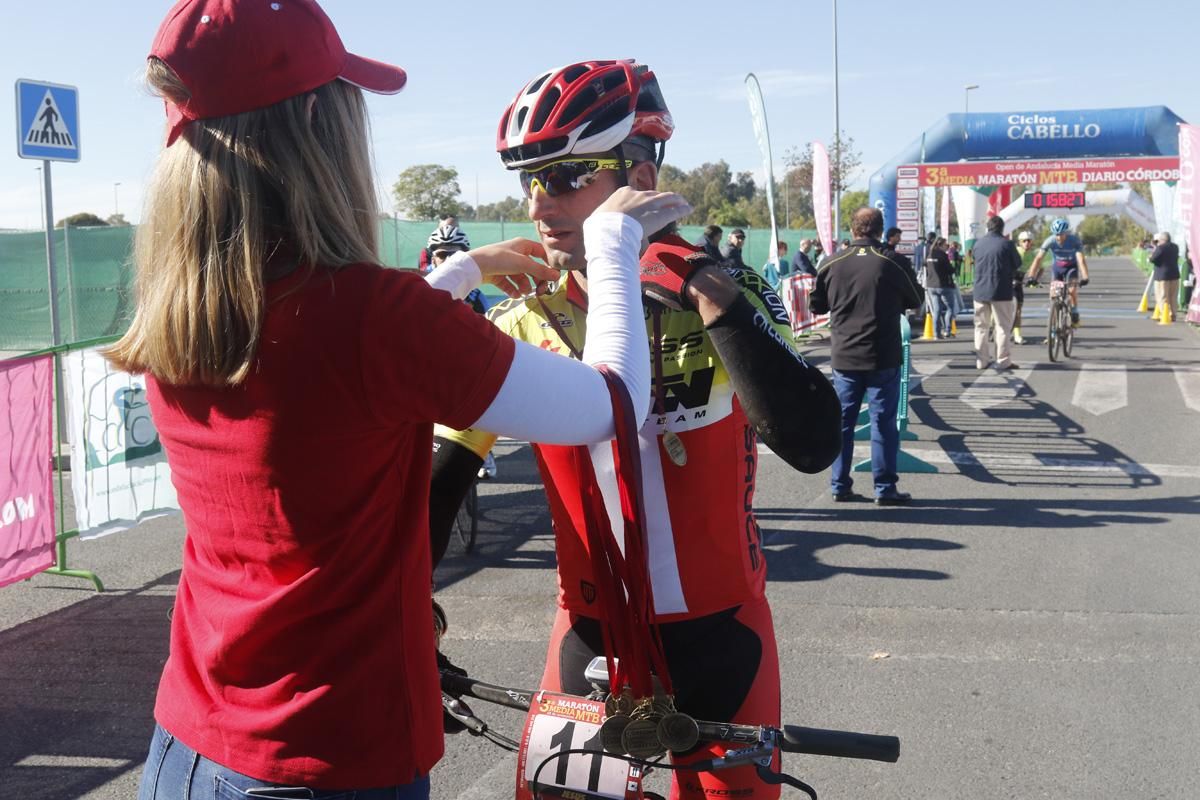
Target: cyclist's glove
<point x="1084" y="281"/>
<point x="667" y="266"/>
<point x="1031" y="282"/>
<point x="449" y="723"/>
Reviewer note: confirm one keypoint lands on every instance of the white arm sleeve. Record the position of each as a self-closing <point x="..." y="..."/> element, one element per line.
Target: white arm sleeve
<point x="458" y="275"/>
<point x="550" y="399"/>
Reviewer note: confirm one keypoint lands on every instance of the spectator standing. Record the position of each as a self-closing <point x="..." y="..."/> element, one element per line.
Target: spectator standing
<point x="818" y="255"/>
<point x="996" y="261"/>
<point x="939" y="286"/>
<point x="801" y="263"/>
<point x="710" y="242"/>
<point x="1027" y="252"/>
<point x="732" y="256"/>
<point x="865" y="291"/>
<point x="956" y="260"/>
<point x="774" y="273"/>
<point x="891" y="241"/>
<point x="1165" y="259"/>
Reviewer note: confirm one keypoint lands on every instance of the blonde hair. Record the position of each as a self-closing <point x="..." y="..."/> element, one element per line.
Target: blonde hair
<point x="291" y="182"/>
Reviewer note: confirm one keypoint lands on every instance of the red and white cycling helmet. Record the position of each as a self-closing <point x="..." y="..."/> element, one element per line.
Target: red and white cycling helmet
<point x="582" y="109"/>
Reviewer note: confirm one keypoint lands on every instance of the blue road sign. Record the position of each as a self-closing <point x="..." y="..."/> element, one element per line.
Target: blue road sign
<point x="47" y="121"/>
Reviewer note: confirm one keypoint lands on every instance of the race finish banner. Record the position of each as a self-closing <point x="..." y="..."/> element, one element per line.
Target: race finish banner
<point x="26" y="494"/>
<point x="1187" y="200"/>
<point x="120" y="474"/>
<point x="1030" y="173"/>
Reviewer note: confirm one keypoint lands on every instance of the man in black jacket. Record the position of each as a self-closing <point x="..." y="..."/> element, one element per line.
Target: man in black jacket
<point x="865" y="291"/>
<point x="996" y="261"/>
<point x="732" y="254"/>
<point x="1165" y="259"/>
<point x="801" y="263"/>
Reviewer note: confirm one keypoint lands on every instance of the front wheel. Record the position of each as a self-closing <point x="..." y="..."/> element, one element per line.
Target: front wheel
<point x="1068" y="333"/>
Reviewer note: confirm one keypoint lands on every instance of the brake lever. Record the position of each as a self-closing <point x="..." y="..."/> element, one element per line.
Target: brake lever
<point x="462" y="713"/>
<point x="766" y="775"/>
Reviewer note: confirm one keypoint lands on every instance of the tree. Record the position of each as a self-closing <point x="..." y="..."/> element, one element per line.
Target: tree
<point x="117" y="221"/>
<point x="428" y="191"/>
<point x="716" y="194"/>
<point x="844" y="163"/>
<point x="82" y="220"/>
<point x="508" y="208"/>
<point x="851" y="202"/>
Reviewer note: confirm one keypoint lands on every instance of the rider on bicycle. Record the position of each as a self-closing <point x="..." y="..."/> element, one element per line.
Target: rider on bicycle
<point x="1067" y="252"/>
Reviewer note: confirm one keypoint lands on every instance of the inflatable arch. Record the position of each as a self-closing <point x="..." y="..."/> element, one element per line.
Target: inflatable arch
<point x="1037" y="136"/>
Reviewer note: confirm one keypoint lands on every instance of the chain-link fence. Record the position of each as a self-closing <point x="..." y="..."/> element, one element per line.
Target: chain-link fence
<point x="95" y="276"/>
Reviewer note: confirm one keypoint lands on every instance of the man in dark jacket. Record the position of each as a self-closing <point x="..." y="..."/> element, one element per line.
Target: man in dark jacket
<point x="939" y="286"/>
<point x="865" y="292"/>
<point x="710" y="242"/>
<point x="996" y="261"/>
<point x="733" y="249"/>
<point x="1165" y="259"/>
<point x="801" y="263"/>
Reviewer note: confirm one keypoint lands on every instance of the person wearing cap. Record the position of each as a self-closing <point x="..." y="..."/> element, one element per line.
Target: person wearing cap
<point x="1165" y="259"/>
<point x="726" y="379"/>
<point x="732" y="252"/>
<point x="1027" y="252"/>
<point x="294" y="383"/>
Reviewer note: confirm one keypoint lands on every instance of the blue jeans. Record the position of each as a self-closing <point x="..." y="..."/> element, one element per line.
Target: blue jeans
<point x="941" y="305"/>
<point x="176" y="772"/>
<point x="881" y="387"/>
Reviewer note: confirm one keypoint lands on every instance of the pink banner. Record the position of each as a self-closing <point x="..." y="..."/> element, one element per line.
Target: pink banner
<point x="821" y="202"/>
<point x="26" y="497"/>
<point x="945" y="215"/>
<point x="1187" y="197"/>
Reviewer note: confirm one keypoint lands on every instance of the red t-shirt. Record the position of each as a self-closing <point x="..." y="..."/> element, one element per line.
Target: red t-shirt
<point x="302" y="642"/>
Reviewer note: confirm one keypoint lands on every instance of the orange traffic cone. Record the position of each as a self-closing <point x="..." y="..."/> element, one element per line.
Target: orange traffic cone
<point x="1144" y="306"/>
<point x="1157" y="313"/>
<point x="928" y="327"/>
<point x="1166" y="318"/>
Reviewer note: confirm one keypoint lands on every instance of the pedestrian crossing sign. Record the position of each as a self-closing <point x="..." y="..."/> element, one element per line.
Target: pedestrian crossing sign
<point x="47" y="121"/>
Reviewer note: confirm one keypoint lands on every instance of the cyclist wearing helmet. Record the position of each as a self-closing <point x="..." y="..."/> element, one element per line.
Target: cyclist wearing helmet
<point x="444" y="242"/>
<point x="1066" y="250"/>
<point x="725" y="376"/>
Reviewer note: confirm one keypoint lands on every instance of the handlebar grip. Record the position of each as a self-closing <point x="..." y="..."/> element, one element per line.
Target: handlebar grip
<point x="841" y="744"/>
<point x="502" y="696"/>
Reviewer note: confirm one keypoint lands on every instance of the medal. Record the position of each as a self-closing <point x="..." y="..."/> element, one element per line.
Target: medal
<point x="640" y="739"/>
<point x="675" y="449"/>
<point x="677" y="732"/>
<point x="610" y="733"/>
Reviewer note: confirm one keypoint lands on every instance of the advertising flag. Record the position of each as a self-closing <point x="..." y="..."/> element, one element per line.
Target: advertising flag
<point x="758" y="116"/>
<point x="945" y="215"/>
<point x="821" y="196"/>
<point x="1187" y="198"/>
<point x="27" y="440"/>
<point x="120" y="474"/>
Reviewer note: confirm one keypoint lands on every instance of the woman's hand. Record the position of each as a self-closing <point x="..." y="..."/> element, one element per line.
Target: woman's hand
<point x="653" y="210"/>
<point x="510" y="265"/>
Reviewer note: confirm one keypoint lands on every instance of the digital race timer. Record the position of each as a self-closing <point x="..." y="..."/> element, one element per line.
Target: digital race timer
<point x="1055" y="199"/>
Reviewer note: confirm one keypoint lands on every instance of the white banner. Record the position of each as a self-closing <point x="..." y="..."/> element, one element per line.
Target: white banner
<point x="929" y="208"/>
<point x="945" y="215"/>
<point x="821" y="199"/>
<point x="971" y="208"/>
<point x="1187" y="198"/>
<point x="119" y="472"/>
<point x="758" y="116"/>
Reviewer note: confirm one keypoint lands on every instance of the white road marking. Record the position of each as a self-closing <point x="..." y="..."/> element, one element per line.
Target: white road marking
<point x="73" y="762"/>
<point x="922" y="368"/>
<point x="1188" y="379"/>
<point x="993" y="389"/>
<point x="494" y="784"/>
<point x="1101" y="388"/>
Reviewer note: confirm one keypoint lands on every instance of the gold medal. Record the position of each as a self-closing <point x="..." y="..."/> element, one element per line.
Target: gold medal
<point x="610" y="733"/>
<point x="675" y="449"/>
<point x="678" y="732"/>
<point x="640" y="739"/>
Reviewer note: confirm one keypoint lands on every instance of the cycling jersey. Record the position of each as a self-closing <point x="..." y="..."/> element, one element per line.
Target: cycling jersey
<point x="1063" y="255"/>
<point x="703" y="543"/>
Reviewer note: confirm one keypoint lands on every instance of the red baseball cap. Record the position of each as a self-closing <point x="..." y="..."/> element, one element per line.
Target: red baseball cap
<point x="236" y="56"/>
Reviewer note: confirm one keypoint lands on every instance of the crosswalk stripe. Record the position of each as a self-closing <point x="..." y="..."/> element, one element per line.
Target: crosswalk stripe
<point x="993" y="389"/>
<point x="1101" y="388"/>
<point x="922" y="368"/>
<point x="1188" y="379"/>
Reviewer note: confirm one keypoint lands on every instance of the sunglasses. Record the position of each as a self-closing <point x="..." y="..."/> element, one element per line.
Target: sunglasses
<point x="562" y="177"/>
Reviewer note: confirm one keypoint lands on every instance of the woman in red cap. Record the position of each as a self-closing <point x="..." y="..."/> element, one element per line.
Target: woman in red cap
<point x="295" y="383"/>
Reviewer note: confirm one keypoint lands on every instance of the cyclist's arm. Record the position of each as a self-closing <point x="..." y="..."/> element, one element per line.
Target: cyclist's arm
<point x="790" y="403"/>
<point x="1081" y="260"/>
<point x="1035" y="268"/>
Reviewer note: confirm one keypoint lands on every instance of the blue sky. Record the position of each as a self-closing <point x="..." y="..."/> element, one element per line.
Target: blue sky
<point x="902" y="66"/>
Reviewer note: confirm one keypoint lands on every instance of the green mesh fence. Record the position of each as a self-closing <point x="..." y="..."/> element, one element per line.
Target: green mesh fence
<point x="95" y="279"/>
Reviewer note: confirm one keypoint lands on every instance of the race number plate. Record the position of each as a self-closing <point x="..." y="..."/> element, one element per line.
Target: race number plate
<point x="557" y="723"/>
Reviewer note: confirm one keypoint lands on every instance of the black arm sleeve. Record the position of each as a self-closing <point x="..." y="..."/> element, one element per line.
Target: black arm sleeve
<point x="792" y="406"/>
<point x="454" y="469"/>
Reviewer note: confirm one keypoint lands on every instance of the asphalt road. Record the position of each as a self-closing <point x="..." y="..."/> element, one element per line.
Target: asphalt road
<point x="1028" y="627"/>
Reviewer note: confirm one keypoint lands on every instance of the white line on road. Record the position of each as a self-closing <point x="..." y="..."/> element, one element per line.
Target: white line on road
<point x="993" y="389"/>
<point x="1188" y="379"/>
<point x="73" y="762"/>
<point x="923" y="368"/>
<point x="1101" y="388"/>
<point x="494" y="784"/>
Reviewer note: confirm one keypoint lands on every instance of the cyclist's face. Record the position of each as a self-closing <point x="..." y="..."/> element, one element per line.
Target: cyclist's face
<point x="440" y="256"/>
<point x="1062" y="237"/>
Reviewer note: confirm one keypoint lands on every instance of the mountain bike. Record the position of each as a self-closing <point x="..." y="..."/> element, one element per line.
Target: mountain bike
<point x="1060" y="332"/>
<point x="567" y="749"/>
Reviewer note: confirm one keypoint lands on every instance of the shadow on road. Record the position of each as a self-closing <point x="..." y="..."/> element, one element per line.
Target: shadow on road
<point x="792" y="555"/>
<point x="77" y="706"/>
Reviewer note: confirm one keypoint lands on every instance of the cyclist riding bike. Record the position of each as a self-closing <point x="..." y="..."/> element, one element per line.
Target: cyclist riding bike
<point x="725" y="376"/>
<point x="1066" y="251"/>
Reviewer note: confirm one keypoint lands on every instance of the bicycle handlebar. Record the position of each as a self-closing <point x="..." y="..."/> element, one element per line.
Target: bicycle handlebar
<point x="791" y="738"/>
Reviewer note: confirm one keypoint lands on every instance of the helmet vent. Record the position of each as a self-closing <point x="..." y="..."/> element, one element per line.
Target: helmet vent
<point x="607" y="118"/>
<point x="579" y="103"/>
<point x="521" y="114"/>
<point x="533" y="87"/>
<point x="574" y="72"/>
<point x="544" y="108"/>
